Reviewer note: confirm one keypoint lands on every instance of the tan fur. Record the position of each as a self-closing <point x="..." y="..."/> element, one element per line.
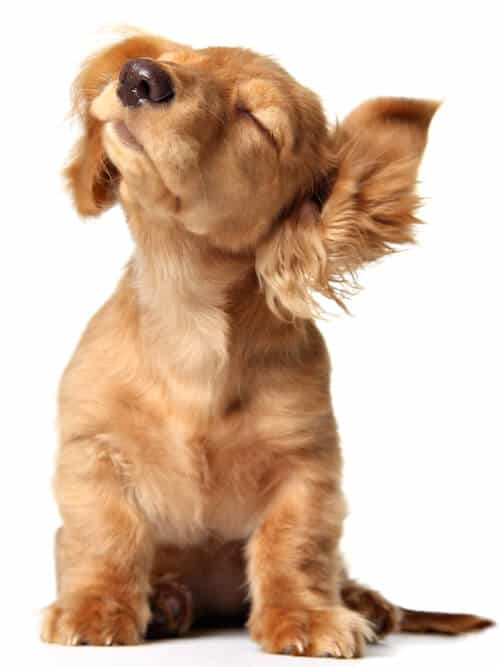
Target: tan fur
<point x="197" y="439"/>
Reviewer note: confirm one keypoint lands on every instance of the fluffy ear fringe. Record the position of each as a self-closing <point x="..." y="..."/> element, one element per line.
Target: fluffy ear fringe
<point x="292" y="266"/>
<point x="369" y="210"/>
<point x="90" y="177"/>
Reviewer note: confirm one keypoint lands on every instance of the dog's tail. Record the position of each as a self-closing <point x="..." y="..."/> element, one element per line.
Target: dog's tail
<point x="440" y="622"/>
<point x="386" y="617"/>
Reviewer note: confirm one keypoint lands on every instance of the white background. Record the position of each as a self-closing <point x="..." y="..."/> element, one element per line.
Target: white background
<point x="416" y="370"/>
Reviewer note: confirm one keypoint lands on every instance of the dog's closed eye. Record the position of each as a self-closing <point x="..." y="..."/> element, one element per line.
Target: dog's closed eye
<point x="254" y="118"/>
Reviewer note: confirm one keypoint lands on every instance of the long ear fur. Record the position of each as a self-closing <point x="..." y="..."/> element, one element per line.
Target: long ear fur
<point x="90" y="176"/>
<point x="369" y="207"/>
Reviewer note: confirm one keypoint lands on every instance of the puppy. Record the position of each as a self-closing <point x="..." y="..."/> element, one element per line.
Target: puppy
<point x="199" y="470"/>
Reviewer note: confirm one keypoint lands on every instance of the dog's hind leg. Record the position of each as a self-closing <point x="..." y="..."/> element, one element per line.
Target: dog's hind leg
<point x="386" y="617"/>
<point x="171" y="604"/>
<point x="203" y="585"/>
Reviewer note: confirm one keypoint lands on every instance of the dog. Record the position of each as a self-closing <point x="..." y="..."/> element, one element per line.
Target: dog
<point x="199" y="472"/>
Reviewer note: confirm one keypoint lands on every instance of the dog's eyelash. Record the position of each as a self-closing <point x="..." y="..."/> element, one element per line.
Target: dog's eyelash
<point x="243" y="111"/>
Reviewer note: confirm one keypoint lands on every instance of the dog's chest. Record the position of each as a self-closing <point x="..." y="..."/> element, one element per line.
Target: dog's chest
<point x="204" y="469"/>
<point x="193" y="485"/>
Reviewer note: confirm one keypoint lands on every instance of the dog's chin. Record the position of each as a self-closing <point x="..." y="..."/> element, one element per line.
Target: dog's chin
<point x="125" y="135"/>
<point x="124" y="150"/>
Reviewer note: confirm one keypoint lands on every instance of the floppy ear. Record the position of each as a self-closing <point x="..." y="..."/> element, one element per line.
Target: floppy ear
<point x="368" y="207"/>
<point x="90" y="176"/>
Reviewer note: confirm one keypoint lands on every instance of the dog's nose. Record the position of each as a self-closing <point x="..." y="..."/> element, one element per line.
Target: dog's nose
<point x="142" y="79"/>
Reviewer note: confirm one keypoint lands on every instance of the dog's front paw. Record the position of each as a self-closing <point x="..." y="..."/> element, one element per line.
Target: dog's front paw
<point x="335" y="632"/>
<point x="97" y="619"/>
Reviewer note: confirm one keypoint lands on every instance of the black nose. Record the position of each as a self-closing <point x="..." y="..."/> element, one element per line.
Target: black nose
<point x="142" y="79"/>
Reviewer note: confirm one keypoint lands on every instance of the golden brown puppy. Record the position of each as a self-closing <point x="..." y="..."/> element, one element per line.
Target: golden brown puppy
<point x="199" y="461"/>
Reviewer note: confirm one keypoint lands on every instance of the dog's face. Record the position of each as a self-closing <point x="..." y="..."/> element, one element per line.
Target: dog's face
<point x="224" y="143"/>
<point x="231" y="136"/>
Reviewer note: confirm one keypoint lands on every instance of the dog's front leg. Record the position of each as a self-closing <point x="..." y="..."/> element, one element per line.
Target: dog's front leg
<point x="294" y="570"/>
<point x="103" y="551"/>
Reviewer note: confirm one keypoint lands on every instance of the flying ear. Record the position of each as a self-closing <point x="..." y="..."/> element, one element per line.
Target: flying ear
<point x="91" y="177"/>
<point x="368" y="208"/>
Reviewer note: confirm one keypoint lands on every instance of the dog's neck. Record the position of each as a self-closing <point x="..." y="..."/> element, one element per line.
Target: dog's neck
<point x="183" y="286"/>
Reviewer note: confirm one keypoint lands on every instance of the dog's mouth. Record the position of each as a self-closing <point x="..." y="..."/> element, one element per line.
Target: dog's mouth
<point x="126" y="136"/>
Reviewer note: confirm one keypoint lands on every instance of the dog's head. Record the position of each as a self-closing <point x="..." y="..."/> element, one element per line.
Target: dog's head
<point x="226" y="144"/>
